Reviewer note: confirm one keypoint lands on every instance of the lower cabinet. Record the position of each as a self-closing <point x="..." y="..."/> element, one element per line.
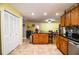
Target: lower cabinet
<point x="62" y="44"/>
<point x="40" y="38"/>
<point x="57" y="41"/>
<point x="35" y="38"/>
<point x="65" y="47"/>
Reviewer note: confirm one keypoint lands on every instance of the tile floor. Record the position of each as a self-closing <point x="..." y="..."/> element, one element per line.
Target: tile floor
<point x="36" y="49"/>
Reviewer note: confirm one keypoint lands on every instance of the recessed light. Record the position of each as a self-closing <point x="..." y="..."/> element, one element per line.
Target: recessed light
<point x="33" y="13"/>
<point x="45" y="14"/>
<point x="57" y="14"/>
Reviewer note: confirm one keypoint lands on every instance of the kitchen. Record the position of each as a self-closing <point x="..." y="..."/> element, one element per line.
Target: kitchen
<point x="67" y="40"/>
<point x="69" y="31"/>
<point x="48" y="28"/>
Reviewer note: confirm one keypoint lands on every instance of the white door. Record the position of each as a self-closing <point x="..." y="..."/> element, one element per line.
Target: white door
<point x="17" y="31"/>
<point x="11" y="32"/>
<point x="14" y="32"/>
<point x="6" y="34"/>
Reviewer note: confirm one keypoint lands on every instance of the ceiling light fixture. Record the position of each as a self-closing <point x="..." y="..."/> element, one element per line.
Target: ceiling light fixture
<point x="52" y="20"/>
<point x="33" y="14"/>
<point x="45" y="14"/>
<point x="57" y="14"/>
<point x="49" y="20"/>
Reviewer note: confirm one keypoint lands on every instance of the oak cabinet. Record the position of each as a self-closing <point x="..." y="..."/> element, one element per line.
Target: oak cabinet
<point x="62" y="20"/>
<point x="70" y="18"/>
<point x="57" y="41"/>
<point x="45" y="38"/>
<point x="67" y="19"/>
<point x="40" y="38"/>
<point x="35" y="38"/>
<point x="65" y="47"/>
<point x="62" y="44"/>
<point x="75" y="16"/>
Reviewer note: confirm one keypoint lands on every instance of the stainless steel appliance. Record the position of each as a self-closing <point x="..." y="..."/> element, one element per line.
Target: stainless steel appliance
<point x="73" y="48"/>
<point x="73" y="35"/>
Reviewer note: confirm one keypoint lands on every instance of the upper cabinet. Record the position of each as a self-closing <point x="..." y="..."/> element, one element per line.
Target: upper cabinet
<point x="67" y="19"/>
<point x="62" y="21"/>
<point x="75" y="16"/>
<point x="70" y="17"/>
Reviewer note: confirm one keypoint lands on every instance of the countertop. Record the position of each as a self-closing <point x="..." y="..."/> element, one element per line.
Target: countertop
<point x="40" y="33"/>
<point x="63" y="36"/>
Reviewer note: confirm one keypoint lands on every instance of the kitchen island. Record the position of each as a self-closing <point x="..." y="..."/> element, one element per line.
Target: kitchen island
<point x="40" y="38"/>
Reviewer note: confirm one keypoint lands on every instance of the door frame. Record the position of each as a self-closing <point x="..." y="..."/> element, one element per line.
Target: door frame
<point x="0" y="36"/>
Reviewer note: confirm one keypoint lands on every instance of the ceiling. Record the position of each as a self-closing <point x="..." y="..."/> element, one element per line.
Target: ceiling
<point x="39" y="8"/>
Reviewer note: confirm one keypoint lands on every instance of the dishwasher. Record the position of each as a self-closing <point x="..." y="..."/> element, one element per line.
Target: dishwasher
<point x="73" y="48"/>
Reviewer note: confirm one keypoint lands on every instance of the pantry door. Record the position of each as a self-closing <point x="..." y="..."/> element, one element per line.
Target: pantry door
<point x="11" y="32"/>
<point x="16" y="31"/>
<point x="6" y="41"/>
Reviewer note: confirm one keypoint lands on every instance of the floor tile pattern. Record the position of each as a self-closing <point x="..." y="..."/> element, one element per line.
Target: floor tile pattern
<point x="36" y="49"/>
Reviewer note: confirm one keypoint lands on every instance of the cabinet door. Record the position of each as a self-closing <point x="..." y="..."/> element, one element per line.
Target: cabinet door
<point x="35" y="38"/>
<point x="63" y="20"/>
<point x="65" y="47"/>
<point x="45" y="38"/>
<point x="61" y="44"/>
<point x="40" y="40"/>
<point x="57" y="41"/>
<point x="75" y="16"/>
<point x="68" y="23"/>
